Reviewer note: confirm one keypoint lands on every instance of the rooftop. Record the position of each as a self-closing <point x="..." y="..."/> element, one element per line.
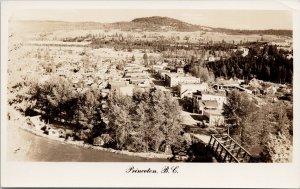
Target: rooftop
<point x="213" y="112"/>
<point x="209" y="104"/>
<point x="212" y="93"/>
<point x="173" y="75"/>
<point x="194" y="84"/>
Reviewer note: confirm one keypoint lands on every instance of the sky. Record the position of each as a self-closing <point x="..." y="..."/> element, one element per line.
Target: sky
<point x="234" y="19"/>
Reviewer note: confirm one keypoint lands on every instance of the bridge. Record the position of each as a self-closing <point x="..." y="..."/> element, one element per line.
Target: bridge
<point x="226" y="149"/>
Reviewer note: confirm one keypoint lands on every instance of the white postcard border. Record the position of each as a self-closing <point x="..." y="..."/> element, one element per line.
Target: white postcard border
<point x="79" y="174"/>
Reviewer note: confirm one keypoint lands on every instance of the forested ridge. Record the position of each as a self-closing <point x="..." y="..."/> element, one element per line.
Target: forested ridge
<point x="153" y="23"/>
<point x="288" y="33"/>
<point x="268" y="64"/>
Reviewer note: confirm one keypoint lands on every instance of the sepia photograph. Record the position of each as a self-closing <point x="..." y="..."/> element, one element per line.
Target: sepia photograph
<point x="176" y="85"/>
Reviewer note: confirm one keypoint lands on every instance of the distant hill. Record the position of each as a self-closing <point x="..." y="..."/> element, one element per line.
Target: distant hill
<point x="165" y="23"/>
<point x="154" y="23"/>
<point x="31" y="26"/>
<point x="288" y="33"/>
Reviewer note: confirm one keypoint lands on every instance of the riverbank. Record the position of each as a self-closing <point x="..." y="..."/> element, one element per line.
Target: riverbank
<point x="20" y="121"/>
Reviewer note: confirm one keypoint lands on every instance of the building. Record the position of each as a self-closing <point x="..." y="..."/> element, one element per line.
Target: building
<point x="215" y="117"/>
<point x="232" y="87"/>
<point x="271" y="90"/>
<point x="244" y="50"/>
<point x="223" y="85"/>
<point x="132" y="67"/>
<point x="206" y="105"/>
<point x="199" y="96"/>
<point x="255" y="83"/>
<point x="53" y="132"/>
<point x="139" y="80"/>
<point x="189" y="89"/>
<point x="210" y="109"/>
<point x="157" y="68"/>
<point x="179" y="70"/>
<point x="162" y="74"/>
<point x="114" y="85"/>
<point x="120" y="87"/>
<point x="211" y="59"/>
<point x="219" y="97"/>
<point x="144" y="84"/>
<point x="231" y="81"/>
<point x="210" y="105"/>
<point x="134" y="74"/>
<point x="174" y="79"/>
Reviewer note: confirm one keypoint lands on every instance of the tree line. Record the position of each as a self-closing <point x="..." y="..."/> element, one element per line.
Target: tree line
<point x="147" y="121"/>
<point x="267" y="63"/>
<point x="288" y="33"/>
<point x="265" y="129"/>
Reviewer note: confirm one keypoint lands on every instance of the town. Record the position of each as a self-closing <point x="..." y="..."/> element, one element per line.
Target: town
<point x="198" y="96"/>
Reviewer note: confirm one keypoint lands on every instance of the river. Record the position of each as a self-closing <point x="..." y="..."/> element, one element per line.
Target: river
<point x="25" y="146"/>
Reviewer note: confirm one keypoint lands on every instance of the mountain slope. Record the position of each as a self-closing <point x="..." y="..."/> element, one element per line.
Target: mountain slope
<point x="165" y="22"/>
<point x="154" y="23"/>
